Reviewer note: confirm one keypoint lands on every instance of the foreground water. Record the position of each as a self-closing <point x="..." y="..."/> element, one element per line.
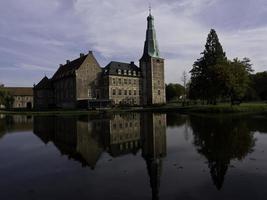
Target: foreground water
<point x="133" y="156"/>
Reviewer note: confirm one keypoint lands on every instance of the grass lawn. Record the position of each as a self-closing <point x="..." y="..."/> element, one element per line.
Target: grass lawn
<point x="171" y="107"/>
<point x="227" y="108"/>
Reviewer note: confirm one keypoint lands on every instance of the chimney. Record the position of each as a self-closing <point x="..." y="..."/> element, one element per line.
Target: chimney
<point x="132" y="62"/>
<point x="81" y="55"/>
<point x="67" y="61"/>
<point x="60" y="65"/>
<point x="90" y="52"/>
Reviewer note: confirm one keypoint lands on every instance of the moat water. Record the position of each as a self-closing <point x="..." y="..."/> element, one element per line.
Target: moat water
<point x="133" y="156"/>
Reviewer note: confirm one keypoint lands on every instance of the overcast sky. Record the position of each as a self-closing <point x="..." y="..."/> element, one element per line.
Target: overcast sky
<point x="37" y="35"/>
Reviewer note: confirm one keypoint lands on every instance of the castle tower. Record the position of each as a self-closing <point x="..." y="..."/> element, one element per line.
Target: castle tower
<point x="152" y="67"/>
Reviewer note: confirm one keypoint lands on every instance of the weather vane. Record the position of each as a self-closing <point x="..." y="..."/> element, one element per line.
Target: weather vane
<point x="149" y="7"/>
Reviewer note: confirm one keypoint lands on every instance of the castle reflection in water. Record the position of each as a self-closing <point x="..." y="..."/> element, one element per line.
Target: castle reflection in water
<point x="221" y="139"/>
<point x="84" y="139"/>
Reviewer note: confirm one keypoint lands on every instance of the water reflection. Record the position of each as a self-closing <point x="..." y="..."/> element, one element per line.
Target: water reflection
<point x="84" y="139"/>
<point x="221" y="140"/>
<point x="15" y="123"/>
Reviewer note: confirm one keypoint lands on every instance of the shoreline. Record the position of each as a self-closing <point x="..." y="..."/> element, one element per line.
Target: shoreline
<point x="202" y="109"/>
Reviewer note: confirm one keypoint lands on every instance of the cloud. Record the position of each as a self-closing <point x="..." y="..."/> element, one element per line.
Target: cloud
<point x="34" y="67"/>
<point x="43" y="34"/>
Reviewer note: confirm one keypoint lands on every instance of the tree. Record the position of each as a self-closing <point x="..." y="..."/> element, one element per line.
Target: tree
<point x="2" y="96"/>
<point x="174" y="91"/>
<point x="214" y="77"/>
<point x="259" y="85"/>
<point x="6" y="99"/>
<point x="239" y="78"/>
<point x="204" y="83"/>
<point x="247" y="63"/>
<point x="184" y="80"/>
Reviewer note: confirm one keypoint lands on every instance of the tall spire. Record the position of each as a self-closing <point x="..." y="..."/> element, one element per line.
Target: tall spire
<point x="151" y="44"/>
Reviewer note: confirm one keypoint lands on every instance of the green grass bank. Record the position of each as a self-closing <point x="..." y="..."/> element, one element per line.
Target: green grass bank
<point x="172" y="107"/>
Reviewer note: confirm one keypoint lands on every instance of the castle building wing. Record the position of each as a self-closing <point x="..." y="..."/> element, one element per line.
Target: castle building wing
<point x="120" y="68"/>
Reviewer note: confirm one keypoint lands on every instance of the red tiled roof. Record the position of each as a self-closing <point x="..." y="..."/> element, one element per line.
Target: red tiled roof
<point x="20" y="91"/>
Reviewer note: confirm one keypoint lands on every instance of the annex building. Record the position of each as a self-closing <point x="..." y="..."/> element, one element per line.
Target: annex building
<point x="83" y="80"/>
<point x="22" y="97"/>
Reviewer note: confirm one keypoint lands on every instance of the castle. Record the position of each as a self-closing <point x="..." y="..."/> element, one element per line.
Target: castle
<point x="83" y="82"/>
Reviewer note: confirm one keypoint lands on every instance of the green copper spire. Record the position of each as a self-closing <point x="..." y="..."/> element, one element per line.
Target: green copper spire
<point x="151" y="44"/>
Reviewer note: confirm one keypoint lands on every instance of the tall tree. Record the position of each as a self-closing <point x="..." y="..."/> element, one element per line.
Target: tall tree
<point x="204" y="82"/>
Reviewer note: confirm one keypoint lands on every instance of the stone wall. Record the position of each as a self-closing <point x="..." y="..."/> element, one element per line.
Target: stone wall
<point x="158" y="82"/>
<point x="23" y="102"/>
<point x="43" y="98"/>
<point x="65" y="90"/>
<point x="124" y="89"/>
<point x="87" y="79"/>
<point x="153" y="83"/>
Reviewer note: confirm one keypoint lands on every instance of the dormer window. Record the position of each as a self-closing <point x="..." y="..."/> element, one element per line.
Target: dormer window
<point x="119" y="71"/>
<point x="134" y="73"/>
<point x="125" y="72"/>
<point x="106" y="71"/>
<point x="129" y="72"/>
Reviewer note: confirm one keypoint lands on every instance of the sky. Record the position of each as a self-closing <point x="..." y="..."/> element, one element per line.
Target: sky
<point x="38" y="35"/>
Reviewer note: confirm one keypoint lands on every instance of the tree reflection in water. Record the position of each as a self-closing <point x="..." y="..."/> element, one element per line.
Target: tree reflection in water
<point x="220" y="140"/>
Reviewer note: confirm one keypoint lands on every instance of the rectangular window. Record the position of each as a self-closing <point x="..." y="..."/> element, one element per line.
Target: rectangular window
<point x="114" y="81"/>
<point x="119" y="81"/>
<point x="125" y="81"/>
<point x="134" y="92"/>
<point x="134" y="82"/>
<point x="119" y="92"/>
<point x="125" y="92"/>
<point x="130" y="81"/>
<point x="114" y="92"/>
<point x="130" y="92"/>
<point x="158" y="92"/>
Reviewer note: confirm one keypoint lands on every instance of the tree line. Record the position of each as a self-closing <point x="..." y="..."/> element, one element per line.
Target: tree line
<point x="215" y="78"/>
